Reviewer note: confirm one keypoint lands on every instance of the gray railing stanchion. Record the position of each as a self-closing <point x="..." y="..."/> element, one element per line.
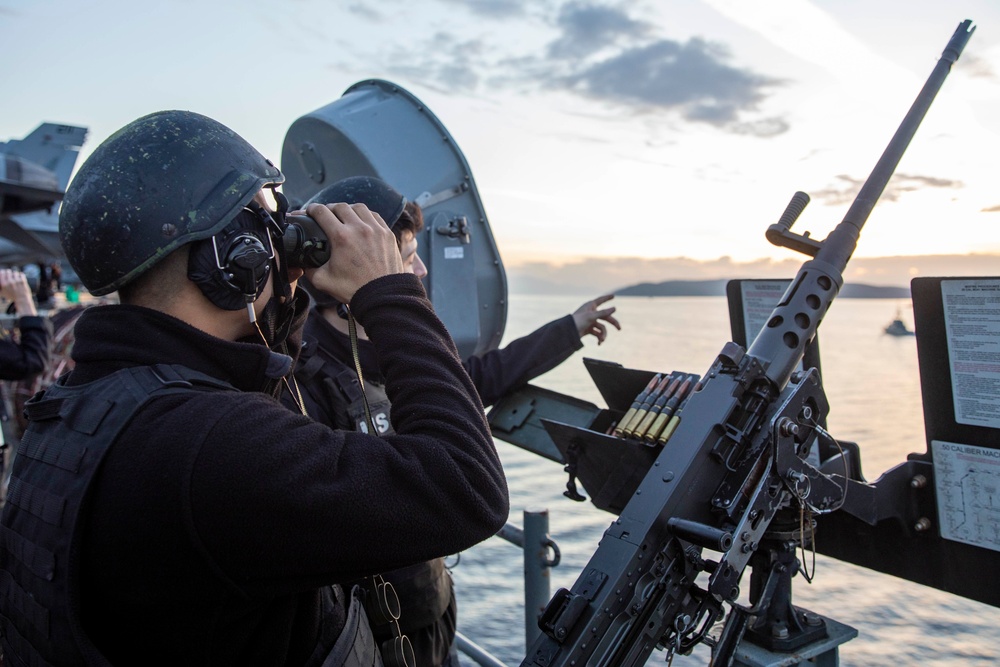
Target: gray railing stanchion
<point x="537" y="565"/>
<point x="534" y="540"/>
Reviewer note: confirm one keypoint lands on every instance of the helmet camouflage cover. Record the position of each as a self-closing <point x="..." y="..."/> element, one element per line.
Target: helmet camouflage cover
<point x="162" y="181"/>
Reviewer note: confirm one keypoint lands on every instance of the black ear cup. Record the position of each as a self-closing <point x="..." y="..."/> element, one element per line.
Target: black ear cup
<point x="247" y="265"/>
<point x="232" y="267"/>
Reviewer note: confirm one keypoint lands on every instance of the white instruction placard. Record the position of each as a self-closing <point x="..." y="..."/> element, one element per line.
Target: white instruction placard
<point x="967" y="479"/>
<point x="972" y="326"/>
<point x="759" y="299"/>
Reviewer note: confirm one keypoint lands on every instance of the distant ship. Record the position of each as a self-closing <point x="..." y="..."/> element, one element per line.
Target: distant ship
<point x="898" y="328"/>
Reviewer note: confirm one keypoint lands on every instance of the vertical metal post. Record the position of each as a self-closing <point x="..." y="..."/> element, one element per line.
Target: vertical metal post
<point x="536" y="570"/>
<point x="536" y="544"/>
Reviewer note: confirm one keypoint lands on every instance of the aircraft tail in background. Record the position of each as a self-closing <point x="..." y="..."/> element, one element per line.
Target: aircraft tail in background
<point x="34" y="173"/>
<point x="51" y="146"/>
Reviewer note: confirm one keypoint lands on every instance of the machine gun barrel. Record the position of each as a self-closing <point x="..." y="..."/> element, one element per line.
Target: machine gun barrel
<point x="716" y="485"/>
<point x="884" y="168"/>
<point x="794" y="322"/>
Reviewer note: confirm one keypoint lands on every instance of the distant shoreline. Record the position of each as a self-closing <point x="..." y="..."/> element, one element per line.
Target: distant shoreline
<point x="682" y="288"/>
<point x="718" y="288"/>
<point x="597" y="275"/>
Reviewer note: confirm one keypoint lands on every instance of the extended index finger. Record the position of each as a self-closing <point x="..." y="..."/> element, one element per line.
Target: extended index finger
<point x="602" y="299"/>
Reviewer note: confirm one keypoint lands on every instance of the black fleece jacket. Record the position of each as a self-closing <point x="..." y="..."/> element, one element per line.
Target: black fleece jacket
<point x="29" y="356"/>
<point x="218" y="520"/>
<point x="494" y="374"/>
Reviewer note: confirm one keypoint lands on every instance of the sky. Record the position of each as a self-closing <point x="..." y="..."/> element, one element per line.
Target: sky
<point x="643" y="130"/>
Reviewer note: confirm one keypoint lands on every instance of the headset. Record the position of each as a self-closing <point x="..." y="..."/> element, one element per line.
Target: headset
<point x="232" y="267"/>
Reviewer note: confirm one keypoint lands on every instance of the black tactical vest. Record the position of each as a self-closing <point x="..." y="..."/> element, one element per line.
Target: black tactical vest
<point x="70" y="431"/>
<point x="334" y="389"/>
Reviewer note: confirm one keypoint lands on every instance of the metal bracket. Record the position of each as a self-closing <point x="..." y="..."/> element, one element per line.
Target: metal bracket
<point x="457" y="228"/>
<point x="426" y="199"/>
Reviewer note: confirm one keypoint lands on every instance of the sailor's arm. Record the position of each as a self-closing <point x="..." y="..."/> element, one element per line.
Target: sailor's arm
<point x="30" y="355"/>
<point x="498" y="372"/>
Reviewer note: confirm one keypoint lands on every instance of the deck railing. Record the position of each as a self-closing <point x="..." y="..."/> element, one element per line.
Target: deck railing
<point x="541" y="554"/>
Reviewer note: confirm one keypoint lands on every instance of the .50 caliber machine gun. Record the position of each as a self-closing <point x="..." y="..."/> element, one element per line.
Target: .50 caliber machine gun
<point x="733" y="479"/>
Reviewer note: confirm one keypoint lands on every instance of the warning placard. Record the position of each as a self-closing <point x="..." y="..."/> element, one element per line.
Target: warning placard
<point x="972" y="328"/>
<point x="967" y="479"/>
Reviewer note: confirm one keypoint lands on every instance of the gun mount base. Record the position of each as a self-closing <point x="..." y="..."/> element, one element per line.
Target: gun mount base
<point x="820" y="653"/>
<point x="781" y="627"/>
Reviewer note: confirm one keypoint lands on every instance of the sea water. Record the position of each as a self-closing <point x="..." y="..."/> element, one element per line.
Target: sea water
<point x="871" y="380"/>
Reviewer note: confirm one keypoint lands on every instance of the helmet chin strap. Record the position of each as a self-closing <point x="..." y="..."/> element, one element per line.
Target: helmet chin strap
<point x="275" y="225"/>
<point x="276" y="316"/>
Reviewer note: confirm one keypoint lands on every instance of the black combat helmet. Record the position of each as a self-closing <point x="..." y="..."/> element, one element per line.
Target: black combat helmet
<point x="162" y="181"/>
<point x="376" y="194"/>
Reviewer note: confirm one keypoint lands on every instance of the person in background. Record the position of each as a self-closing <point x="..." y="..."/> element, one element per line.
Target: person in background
<point x="30" y="353"/>
<point x="332" y="394"/>
<point x="56" y="272"/>
<point x="44" y="292"/>
<point x="20" y="358"/>
<point x="174" y="512"/>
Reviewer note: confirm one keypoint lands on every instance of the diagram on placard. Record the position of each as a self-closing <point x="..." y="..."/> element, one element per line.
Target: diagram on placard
<point x="967" y="479"/>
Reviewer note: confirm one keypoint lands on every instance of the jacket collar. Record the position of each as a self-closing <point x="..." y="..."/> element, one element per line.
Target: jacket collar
<point x="108" y="338"/>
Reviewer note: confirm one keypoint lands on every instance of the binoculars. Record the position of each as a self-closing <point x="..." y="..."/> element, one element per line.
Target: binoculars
<point x="305" y="243"/>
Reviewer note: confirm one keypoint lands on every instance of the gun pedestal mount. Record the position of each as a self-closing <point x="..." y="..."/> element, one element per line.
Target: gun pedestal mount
<point x="772" y="632"/>
<point x="780" y="626"/>
<point x="820" y="653"/>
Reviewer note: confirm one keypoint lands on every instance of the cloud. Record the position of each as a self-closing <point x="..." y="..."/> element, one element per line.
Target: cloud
<point x="766" y="127"/>
<point x="688" y="77"/>
<point x="992" y="209"/>
<point x="449" y="65"/>
<point x="587" y="28"/>
<point x="899" y="184"/>
<point x="365" y="11"/>
<point x="491" y="8"/>
<point x="977" y="67"/>
<point x="600" y="52"/>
